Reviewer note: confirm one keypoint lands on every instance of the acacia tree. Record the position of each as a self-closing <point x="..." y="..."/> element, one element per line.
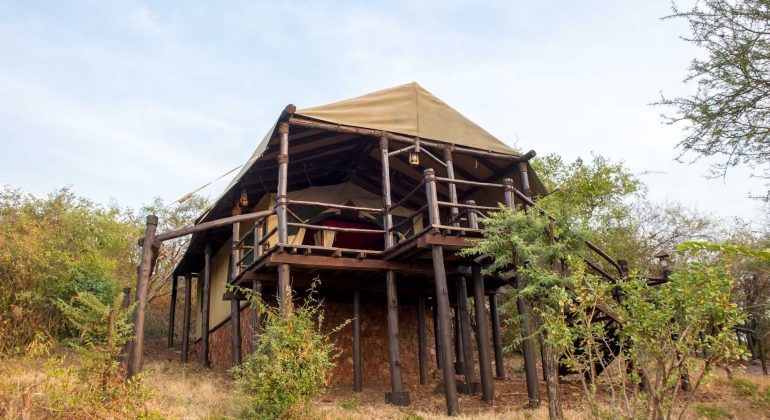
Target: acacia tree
<point x="729" y="114"/>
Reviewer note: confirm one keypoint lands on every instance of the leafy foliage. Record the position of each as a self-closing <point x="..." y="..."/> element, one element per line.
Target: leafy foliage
<point x="54" y="248"/>
<point x="729" y="114"/>
<point x="291" y="362"/>
<point x="93" y="384"/>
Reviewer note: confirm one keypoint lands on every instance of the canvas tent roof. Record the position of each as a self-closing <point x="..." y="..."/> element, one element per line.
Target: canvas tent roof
<point x="406" y="109"/>
<point x="409" y="109"/>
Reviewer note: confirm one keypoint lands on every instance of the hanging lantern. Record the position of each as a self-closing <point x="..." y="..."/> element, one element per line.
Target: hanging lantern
<point x="414" y="158"/>
<point x="244" y="200"/>
<point x="414" y="154"/>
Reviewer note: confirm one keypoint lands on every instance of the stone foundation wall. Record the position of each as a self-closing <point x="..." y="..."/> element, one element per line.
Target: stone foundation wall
<point x="374" y="342"/>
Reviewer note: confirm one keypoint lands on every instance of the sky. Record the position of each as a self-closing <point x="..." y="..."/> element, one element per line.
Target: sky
<point x="124" y="101"/>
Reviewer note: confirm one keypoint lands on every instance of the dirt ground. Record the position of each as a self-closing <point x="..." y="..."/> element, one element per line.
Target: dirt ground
<point x="190" y="392"/>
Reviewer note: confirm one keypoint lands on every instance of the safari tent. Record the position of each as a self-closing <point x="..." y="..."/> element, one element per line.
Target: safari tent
<point x="373" y="196"/>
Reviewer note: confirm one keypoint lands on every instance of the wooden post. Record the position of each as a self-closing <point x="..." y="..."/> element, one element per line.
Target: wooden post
<point x="206" y="305"/>
<point x="530" y="366"/>
<point x="284" y="275"/>
<point x="256" y="317"/>
<point x="186" y="317"/>
<point x="235" y="303"/>
<point x="465" y="333"/>
<point x="397" y="396"/>
<point x="482" y="325"/>
<point x="436" y="335"/>
<point x="497" y="338"/>
<point x="450" y="173"/>
<point x="357" y="374"/>
<point x="421" y="348"/>
<point x="124" y="352"/>
<point x="142" y="282"/>
<point x="172" y="312"/>
<point x="458" y="366"/>
<point x="442" y="299"/>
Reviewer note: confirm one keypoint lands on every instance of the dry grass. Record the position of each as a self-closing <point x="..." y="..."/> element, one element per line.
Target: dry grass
<point x="189" y="392"/>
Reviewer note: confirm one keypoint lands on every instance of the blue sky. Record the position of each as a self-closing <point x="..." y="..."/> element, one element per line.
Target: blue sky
<point x="128" y="100"/>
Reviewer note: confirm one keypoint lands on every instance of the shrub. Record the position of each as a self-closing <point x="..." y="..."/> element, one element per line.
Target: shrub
<point x="711" y="412"/>
<point x="745" y="388"/>
<point x="291" y="362"/>
<point x="91" y="382"/>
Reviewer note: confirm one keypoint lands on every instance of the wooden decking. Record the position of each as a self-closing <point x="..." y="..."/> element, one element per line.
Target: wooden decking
<point x="411" y="257"/>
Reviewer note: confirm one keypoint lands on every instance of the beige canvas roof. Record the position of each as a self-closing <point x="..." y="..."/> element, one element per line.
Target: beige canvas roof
<point x="405" y="109"/>
<point x="409" y="109"/>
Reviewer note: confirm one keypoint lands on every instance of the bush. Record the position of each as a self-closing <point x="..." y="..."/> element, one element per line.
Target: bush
<point x="745" y="388"/>
<point x="291" y="362"/>
<point x="91" y="383"/>
<point x="53" y="248"/>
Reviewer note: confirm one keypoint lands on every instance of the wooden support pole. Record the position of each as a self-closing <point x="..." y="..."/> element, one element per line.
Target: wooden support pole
<point x="147" y="261"/>
<point x="186" y="317"/>
<point x="528" y="350"/>
<point x="235" y="333"/>
<point x="458" y="366"/>
<point x="172" y="312"/>
<point x="497" y="338"/>
<point x="465" y="333"/>
<point x="284" y="276"/>
<point x="235" y="304"/>
<point x="397" y="396"/>
<point x="442" y="300"/>
<point x="357" y="374"/>
<point x="124" y="352"/>
<point x="421" y="347"/>
<point x="450" y="173"/>
<point x="206" y="307"/>
<point x="436" y="335"/>
<point x="256" y="317"/>
<point x="482" y="325"/>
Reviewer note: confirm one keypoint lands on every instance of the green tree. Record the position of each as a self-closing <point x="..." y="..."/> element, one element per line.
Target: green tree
<point x="729" y="114"/>
<point x="54" y="248"/>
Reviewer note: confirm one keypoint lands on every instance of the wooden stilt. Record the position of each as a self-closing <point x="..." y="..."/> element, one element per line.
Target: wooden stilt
<point x="206" y="307"/>
<point x="482" y="325"/>
<point x="497" y="338"/>
<point x="357" y="375"/>
<point x="172" y="312"/>
<point x="284" y="279"/>
<point x="135" y="360"/>
<point x="125" y="351"/>
<point x="465" y="334"/>
<point x="186" y="318"/>
<point x="421" y="347"/>
<point x="436" y="335"/>
<point x="235" y="304"/>
<point x="397" y="396"/>
<point x="459" y="368"/>
<point x="528" y="350"/>
<point x="235" y="331"/>
<point x="442" y="300"/>
<point x="256" y="317"/>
